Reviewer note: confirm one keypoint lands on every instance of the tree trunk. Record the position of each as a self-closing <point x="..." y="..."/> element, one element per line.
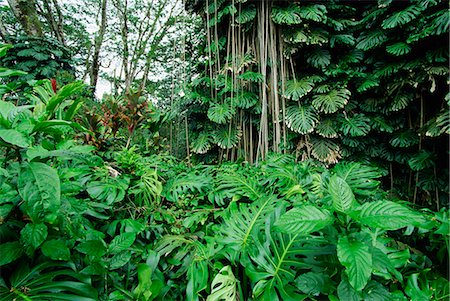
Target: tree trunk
<point x="95" y="67"/>
<point x="25" y="12"/>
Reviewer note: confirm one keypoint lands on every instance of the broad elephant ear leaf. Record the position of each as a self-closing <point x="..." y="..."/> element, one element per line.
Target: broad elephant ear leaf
<point x="39" y="186"/>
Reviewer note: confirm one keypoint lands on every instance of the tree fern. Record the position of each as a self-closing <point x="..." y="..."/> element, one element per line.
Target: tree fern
<point x="332" y="101"/>
<point x="371" y="39"/>
<point x="357" y="125"/>
<point x="398" y="49"/>
<point x="221" y="113"/>
<point x="286" y="15"/>
<point x="402" y="17"/>
<point x="319" y="58"/>
<point x="301" y="119"/>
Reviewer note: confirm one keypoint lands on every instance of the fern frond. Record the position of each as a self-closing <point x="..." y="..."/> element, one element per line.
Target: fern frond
<point x="332" y="101"/>
<point x="221" y="113"/>
<point x="301" y="119"/>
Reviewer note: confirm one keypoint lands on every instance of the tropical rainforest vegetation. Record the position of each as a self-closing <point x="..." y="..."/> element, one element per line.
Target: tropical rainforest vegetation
<point x="243" y="150"/>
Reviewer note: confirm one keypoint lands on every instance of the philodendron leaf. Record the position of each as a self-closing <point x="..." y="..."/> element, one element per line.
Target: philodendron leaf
<point x="387" y="215"/>
<point x="10" y="251"/>
<point x="223" y="286"/>
<point x="357" y="259"/>
<point x="33" y="235"/>
<point x="304" y="220"/>
<point x="39" y="186"/>
<point x="56" y="249"/>
<point x="341" y="194"/>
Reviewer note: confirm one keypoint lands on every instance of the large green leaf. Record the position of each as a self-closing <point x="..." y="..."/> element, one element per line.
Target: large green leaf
<point x="388" y="215"/>
<point x="10" y="251"/>
<point x="56" y="249"/>
<point x="341" y="194"/>
<point x="296" y="89"/>
<point x="224" y="286"/>
<point x="14" y="137"/>
<point x="357" y="259"/>
<point x="304" y="220"/>
<point x="39" y="186"/>
<point x="301" y="119"/>
<point x="221" y="113"/>
<point x="313" y="283"/>
<point x="332" y="101"/>
<point x="33" y="235"/>
<point x="402" y="17"/>
<point x="360" y="178"/>
<point x="122" y="242"/>
<point x="286" y="15"/>
<point x="95" y="248"/>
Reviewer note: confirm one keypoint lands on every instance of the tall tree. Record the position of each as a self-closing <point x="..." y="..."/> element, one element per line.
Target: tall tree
<point x="25" y="12"/>
<point x="98" y="41"/>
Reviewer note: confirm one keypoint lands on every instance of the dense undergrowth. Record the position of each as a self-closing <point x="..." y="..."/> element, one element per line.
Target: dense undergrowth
<point x="81" y="224"/>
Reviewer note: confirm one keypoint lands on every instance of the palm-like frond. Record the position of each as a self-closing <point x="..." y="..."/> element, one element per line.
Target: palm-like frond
<point x="327" y="128"/>
<point x="316" y="13"/>
<point x="301" y="119"/>
<point x="332" y="101"/>
<point x="343" y="39"/>
<point x="221" y="113"/>
<point x="246" y="15"/>
<point x="400" y="102"/>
